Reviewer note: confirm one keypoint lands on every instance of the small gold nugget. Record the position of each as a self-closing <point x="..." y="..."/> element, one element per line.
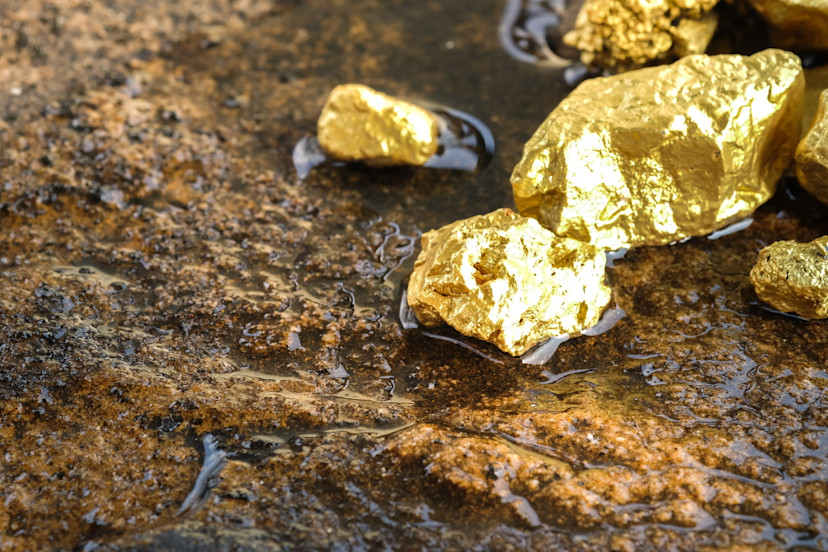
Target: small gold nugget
<point x="793" y="277"/>
<point x="504" y="279"/>
<point x="659" y="154"/>
<point x="626" y="34"/>
<point x="360" y="124"/>
<point x="799" y="25"/>
<point x="812" y="154"/>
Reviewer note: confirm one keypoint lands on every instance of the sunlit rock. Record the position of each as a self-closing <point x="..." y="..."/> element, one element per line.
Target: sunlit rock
<point x="505" y="279"/>
<point x="799" y="25"/>
<point x="659" y="154"/>
<point x="793" y="277"/>
<point x="625" y="34"/>
<point x="360" y="124"/>
<point x="812" y="154"/>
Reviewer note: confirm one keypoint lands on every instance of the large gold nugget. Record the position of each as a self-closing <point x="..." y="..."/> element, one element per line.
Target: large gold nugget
<point x="812" y="154"/>
<point x="360" y="124"/>
<point x="504" y="279"/>
<point x="626" y="34"/>
<point x="799" y="25"/>
<point x="659" y="154"/>
<point x="793" y="277"/>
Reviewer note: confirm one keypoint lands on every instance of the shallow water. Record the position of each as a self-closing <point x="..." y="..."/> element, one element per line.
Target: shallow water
<point x="225" y="296"/>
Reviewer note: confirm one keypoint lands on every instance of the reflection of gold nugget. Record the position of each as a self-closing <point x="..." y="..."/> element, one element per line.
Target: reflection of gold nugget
<point x="800" y="25"/>
<point x="812" y="154"/>
<point x="361" y="124"/>
<point x="504" y="279"/>
<point x="793" y="277"/>
<point x="663" y="153"/>
<point x="625" y="34"/>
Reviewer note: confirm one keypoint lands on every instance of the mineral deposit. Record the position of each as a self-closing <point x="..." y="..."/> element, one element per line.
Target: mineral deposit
<point x="793" y="277"/>
<point x="360" y="124"/>
<point x="662" y="153"/>
<point x="799" y="25"/>
<point x="625" y="34"/>
<point x="505" y="279"/>
<point x="812" y="154"/>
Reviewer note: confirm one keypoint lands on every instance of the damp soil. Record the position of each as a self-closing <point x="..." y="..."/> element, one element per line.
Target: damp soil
<point x="201" y="349"/>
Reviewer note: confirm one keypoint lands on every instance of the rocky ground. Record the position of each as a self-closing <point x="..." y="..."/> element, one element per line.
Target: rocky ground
<point x="175" y="297"/>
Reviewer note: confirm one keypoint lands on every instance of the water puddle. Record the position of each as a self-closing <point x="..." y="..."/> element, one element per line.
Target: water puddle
<point x="525" y="30"/>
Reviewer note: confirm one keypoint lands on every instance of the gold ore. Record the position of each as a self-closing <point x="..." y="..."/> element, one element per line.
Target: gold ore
<point x="659" y="154"/>
<point x="812" y="154"/>
<point x="793" y="277"/>
<point x="360" y="124"/>
<point x="625" y="34"/>
<point x="505" y="279"/>
<point x="799" y="25"/>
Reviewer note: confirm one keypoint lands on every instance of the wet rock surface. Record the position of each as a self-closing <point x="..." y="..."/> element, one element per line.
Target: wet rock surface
<point x="168" y="277"/>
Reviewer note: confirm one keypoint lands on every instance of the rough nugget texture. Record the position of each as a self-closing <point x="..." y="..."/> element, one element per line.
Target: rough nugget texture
<point x="793" y="277"/>
<point x="812" y="154"/>
<point x="360" y="124"/>
<point x="663" y="153"/>
<point x="625" y="34"/>
<point x="799" y="25"/>
<point x="503" y="278"/>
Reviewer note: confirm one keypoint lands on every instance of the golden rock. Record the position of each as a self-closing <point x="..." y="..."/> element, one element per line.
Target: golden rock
<point x="793" y="277"/>
<point x="505" y="279"/>
<point x="360" y="124"/>
<point x="799" y="25"/>
<point x="659" y="154"/>
<point x="626" y="34"/>
<point x="812" y="154"/>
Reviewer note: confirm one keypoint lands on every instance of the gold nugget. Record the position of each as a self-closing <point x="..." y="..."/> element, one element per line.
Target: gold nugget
<point x="799" y="25"/>
<point x="812" y="154"/>
<point x="626" y="34"/>
<point x="504" y="279"/>
<point x="360" y="124"/>
<point x="793" y="277"/>
<point x="659" y="154"/>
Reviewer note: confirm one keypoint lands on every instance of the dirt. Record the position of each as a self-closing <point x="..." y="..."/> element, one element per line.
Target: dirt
<point x="167" y="276"/>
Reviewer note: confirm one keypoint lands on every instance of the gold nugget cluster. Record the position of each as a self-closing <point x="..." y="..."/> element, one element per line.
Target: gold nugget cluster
<point x="505" y="279"/>
<point x="627" y="34"/>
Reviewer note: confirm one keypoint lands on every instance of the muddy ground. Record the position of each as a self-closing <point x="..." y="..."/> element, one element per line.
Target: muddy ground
<point x="175" y="296"/>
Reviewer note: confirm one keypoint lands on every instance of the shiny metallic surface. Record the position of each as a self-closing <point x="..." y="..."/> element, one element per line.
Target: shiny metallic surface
<point x="799" y="25"/>
<point x="812" y="154"/>
<point x="663" y="153"/>
<point x="793" y="277"/>
<point x="503" y="278"/>
<point x="360" y="124"/>
<point x="626" y="34"/>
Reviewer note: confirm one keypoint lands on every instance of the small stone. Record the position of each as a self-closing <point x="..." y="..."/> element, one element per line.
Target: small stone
<point x="627" y="34"/>
<point x="812" y="154"/>
<point x="505" y="279"/>
<point x="798" y="25"/>
<point x="793" y="277"/>
<point x="663" y="153"/>
<point x="360" y="124"/>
